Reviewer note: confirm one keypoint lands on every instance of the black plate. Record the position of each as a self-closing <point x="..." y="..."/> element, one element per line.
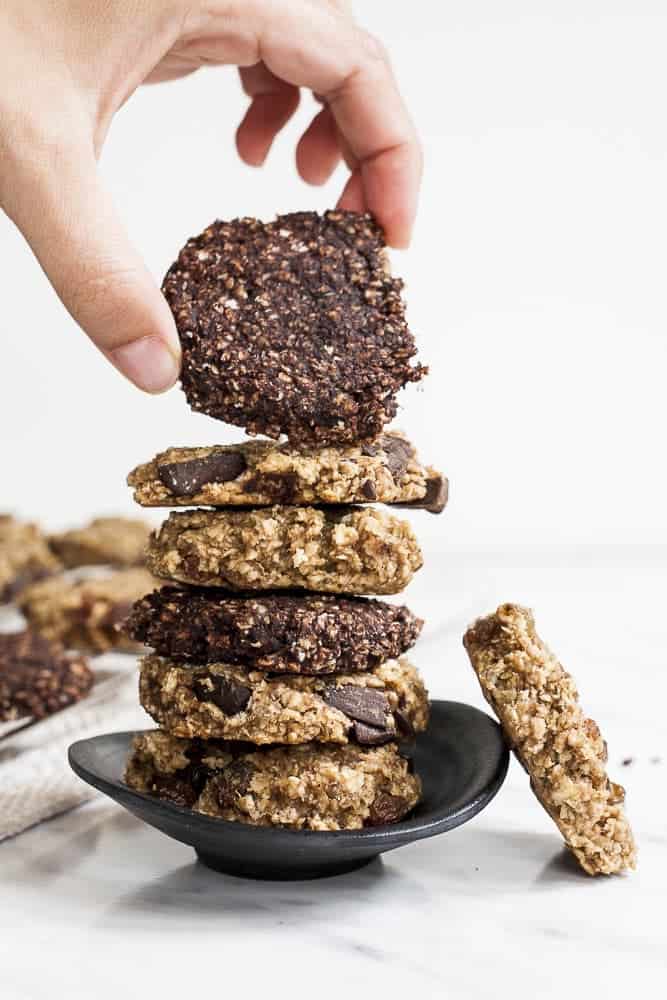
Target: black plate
<point x="462" y="761"/>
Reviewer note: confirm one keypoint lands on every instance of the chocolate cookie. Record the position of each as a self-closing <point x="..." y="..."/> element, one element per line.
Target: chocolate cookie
<point x="261" y="473"/>
<point x="86" y="614"/>
<point x="292" y="327"/>
<point x="112" y="541"/>
<point x="37" y="678"/>
<point x="221" y="701"/>
<point x="280" y="633"/>
<point x="308" y="787"/>
<point x="339" y="550"/>
<point x="24" y="557"/>
<point x="563" y="752"/>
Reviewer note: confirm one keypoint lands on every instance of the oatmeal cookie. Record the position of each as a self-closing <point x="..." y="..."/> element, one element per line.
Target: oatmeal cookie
<point x="112" y="541"/>
<point x="357" y="551"/>
<point x="221" y="701"/>
<point x="563" y="752"/>
<point x="262" y="473"/>
<point x="292" y="327"/>
<point x="306" y="787"/>
<point x="276" y="632"/>
<point x="24" y="557"/>
<point x="86" y="614"/>
<point x="37" y="678"/>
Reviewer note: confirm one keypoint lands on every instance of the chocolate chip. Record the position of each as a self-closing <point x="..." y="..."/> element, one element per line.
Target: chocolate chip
<point x="435" y="498"/>
<point x="233" y="782"/>
<point x="279" y="486"/>
<point x="184" y="479"/>
<point x="360" y="703"/>
<point x="399" y="454"/>
<point x="370" y="736"/>
<point x="175" y="788"/>
<point x="230" y="697"/>
<point x="368" y="490"/>
<point x="404" y="725"/>
<point x="386" y="809"/>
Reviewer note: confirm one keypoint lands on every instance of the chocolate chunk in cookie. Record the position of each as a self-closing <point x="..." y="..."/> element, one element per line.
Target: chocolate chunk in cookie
<point x="228" y="694"/>
<point x="361" y="704"/>
<point x="37" y="678"/>
<point x="185" y="479"/>
<point x="435" y="496"/>
<point x="280" y="633"/>
<point x="292" y="327"/>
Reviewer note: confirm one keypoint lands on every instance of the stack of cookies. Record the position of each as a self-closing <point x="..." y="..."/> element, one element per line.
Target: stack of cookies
<point x="281" y="690"/>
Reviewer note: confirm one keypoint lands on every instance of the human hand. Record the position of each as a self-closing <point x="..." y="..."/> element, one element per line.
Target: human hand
<point x="69" y="65"/>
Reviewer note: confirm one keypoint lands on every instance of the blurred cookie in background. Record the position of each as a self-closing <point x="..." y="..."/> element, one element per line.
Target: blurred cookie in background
<point x="25" y="557"/>
<point x="108" y="541"/>
<point x="37" y="677"/>
<point x="87" y="614"/>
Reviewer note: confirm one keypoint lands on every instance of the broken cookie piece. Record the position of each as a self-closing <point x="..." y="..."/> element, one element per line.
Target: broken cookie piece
<point x="293" y="327"/>
<point x="563" y="752"/>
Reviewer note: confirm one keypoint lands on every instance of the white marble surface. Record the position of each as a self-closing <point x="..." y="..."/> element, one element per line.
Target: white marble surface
<point x="95" y="904"/>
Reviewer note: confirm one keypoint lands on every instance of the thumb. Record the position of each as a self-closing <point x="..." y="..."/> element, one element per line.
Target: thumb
<point x="68" y="218"/>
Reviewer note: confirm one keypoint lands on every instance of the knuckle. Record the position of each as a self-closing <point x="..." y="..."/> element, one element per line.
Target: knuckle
<point x="372" y="48"/>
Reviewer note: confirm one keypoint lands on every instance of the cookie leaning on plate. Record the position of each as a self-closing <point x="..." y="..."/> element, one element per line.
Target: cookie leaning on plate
<point x="221" y="701"/>
<point x="563" y="752"/>
<point x="276" y="632"/>
<point x="338" y="550"/>
<point x="262" y="473"/>
<point x="306" y="787"/>
<point x="292" y="327"/>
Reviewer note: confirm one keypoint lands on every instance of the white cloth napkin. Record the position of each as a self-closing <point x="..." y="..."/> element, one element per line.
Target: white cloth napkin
<point x="36" y="781"/>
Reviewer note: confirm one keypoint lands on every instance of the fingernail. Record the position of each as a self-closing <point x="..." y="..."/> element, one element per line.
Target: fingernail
<point x="149" y="363"/>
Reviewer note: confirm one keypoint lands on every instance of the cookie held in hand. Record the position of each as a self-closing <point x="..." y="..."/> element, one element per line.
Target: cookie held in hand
<point x="293" y="327"/>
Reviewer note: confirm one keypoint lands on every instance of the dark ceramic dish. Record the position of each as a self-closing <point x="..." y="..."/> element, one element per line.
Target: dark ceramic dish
<point x="462" y="761"/>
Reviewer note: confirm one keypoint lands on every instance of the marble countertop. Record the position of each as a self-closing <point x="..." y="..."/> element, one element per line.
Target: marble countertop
<point x="96" y="904"/>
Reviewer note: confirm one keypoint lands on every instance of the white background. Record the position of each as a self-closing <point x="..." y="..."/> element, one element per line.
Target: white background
<point x="535" y="281"/>
<point x="536" y="289"/>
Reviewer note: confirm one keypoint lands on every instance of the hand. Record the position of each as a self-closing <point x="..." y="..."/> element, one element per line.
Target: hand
<point x="67" y="66"/>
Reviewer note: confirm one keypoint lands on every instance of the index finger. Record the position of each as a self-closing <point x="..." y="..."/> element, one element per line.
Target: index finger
<point x="333" y="57"/>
